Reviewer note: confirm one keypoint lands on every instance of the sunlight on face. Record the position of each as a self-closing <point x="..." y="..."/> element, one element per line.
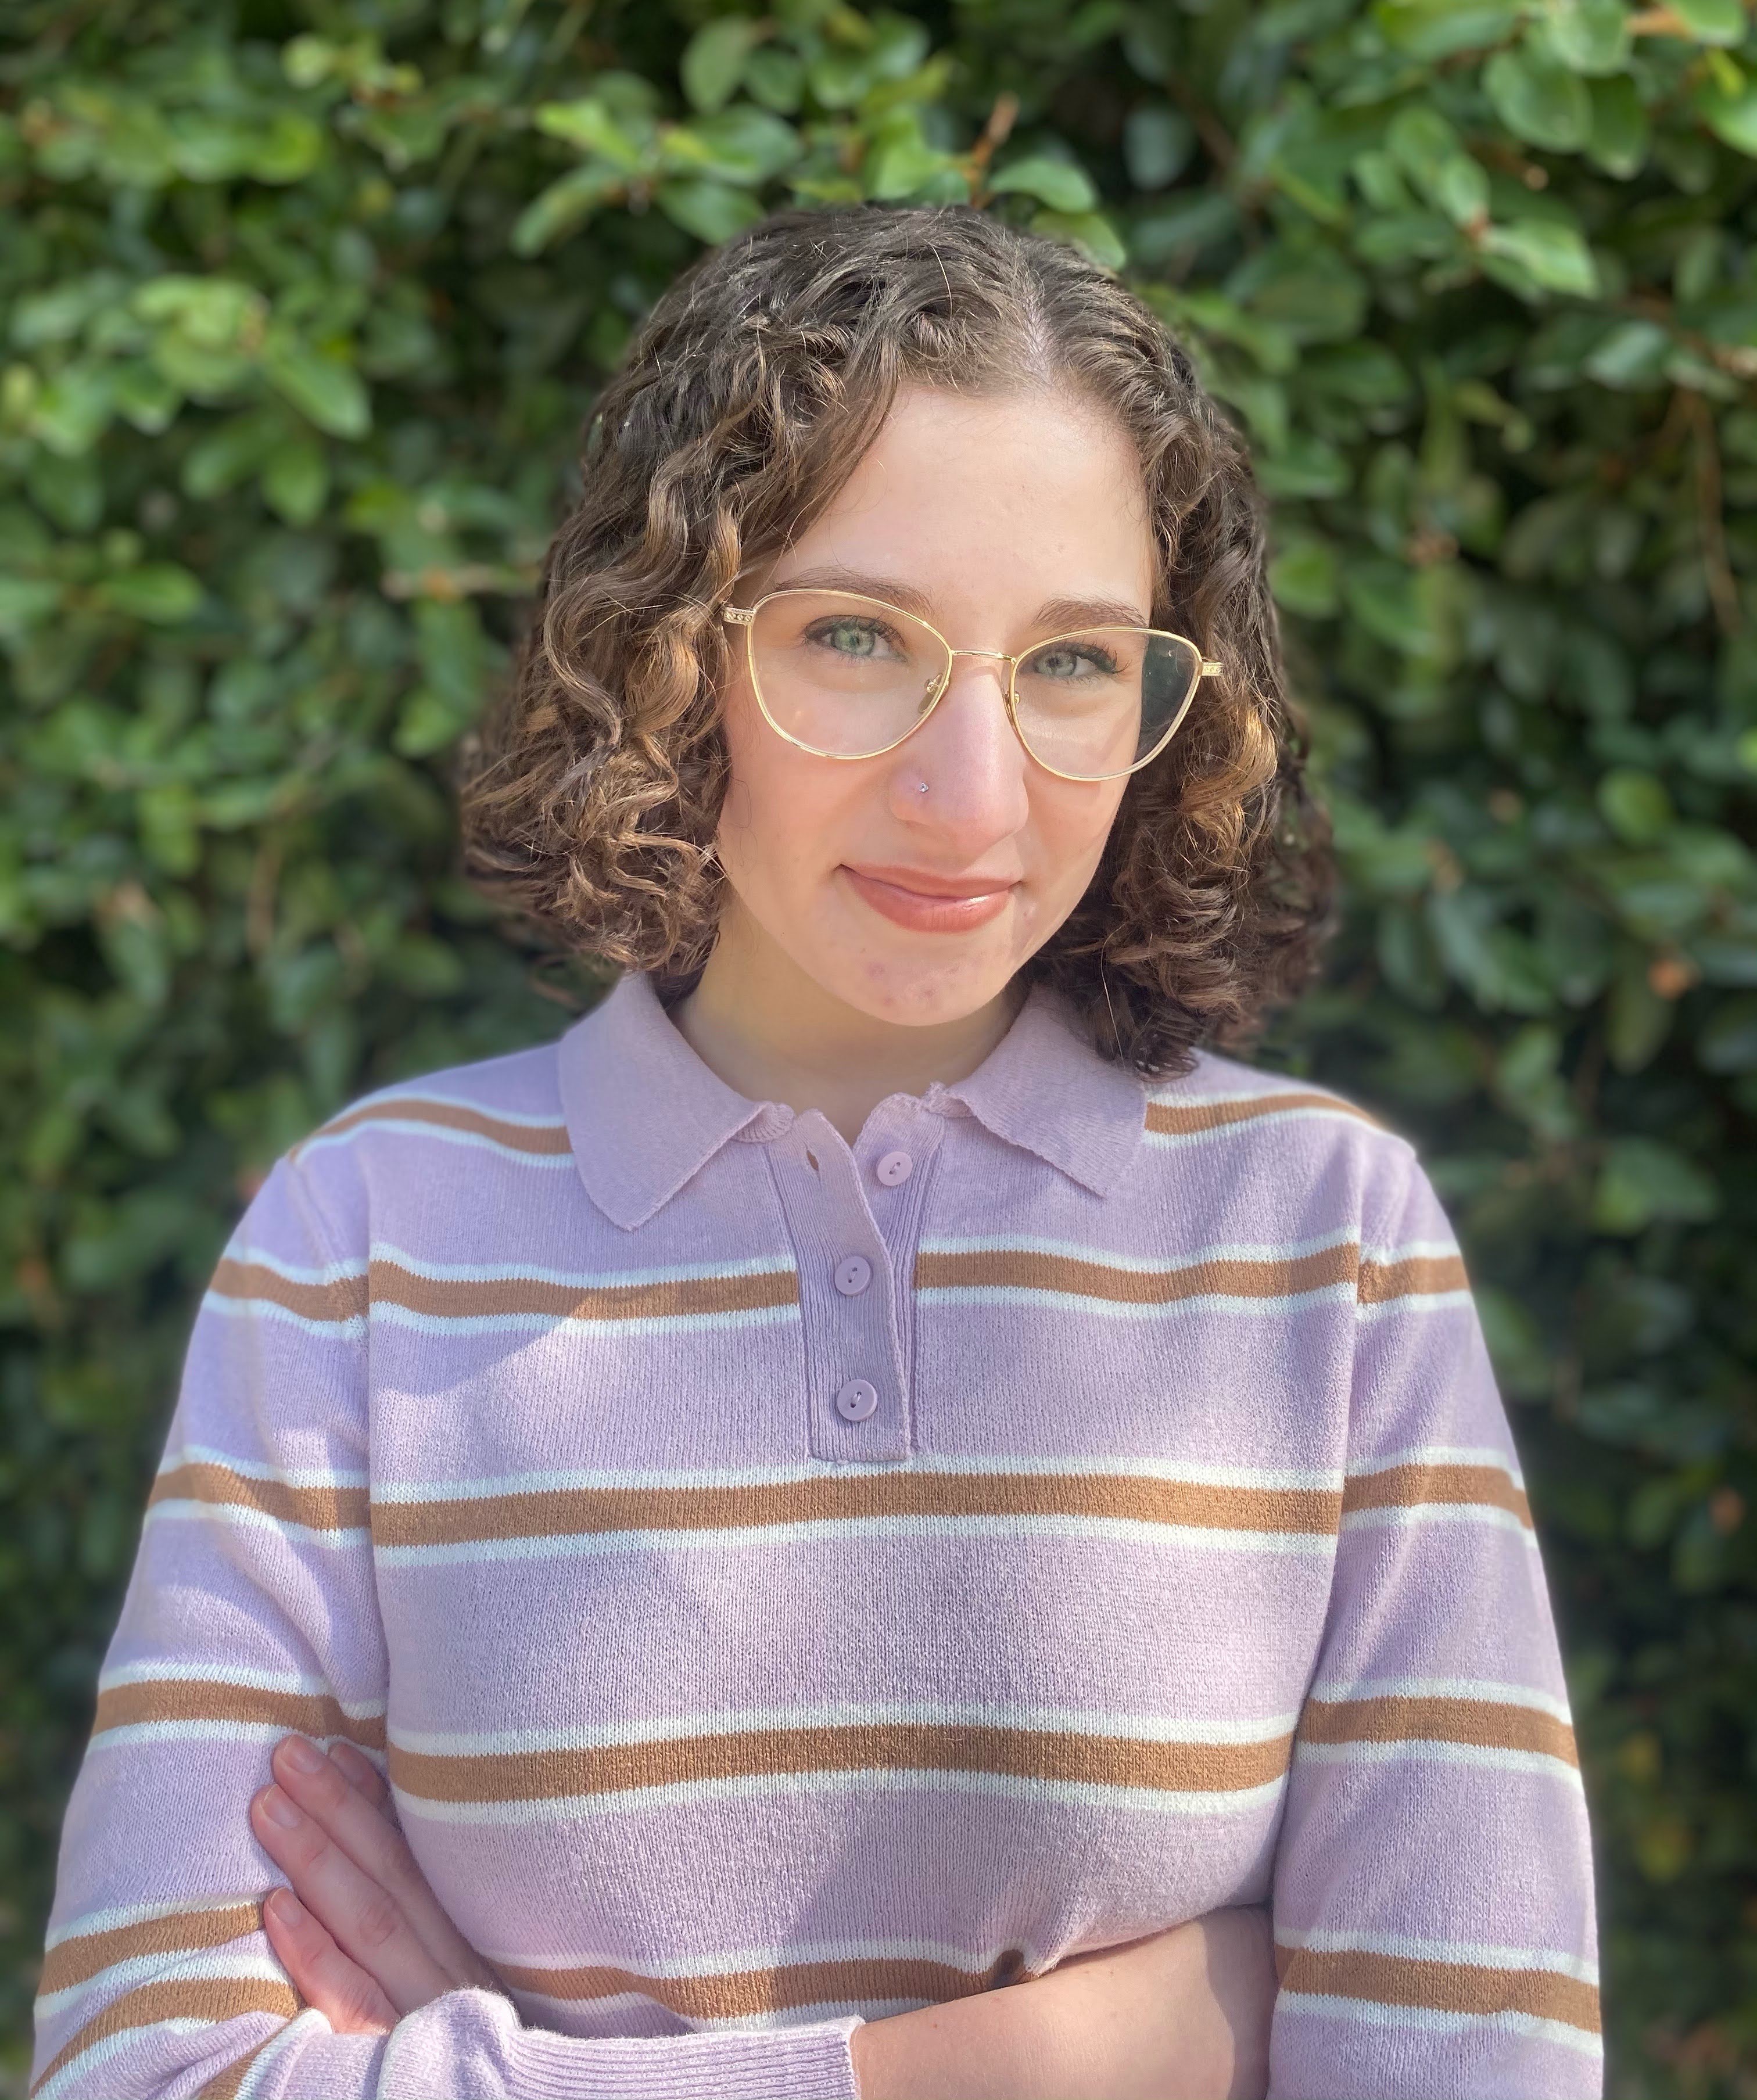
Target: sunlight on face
<point x="992" y="515"/>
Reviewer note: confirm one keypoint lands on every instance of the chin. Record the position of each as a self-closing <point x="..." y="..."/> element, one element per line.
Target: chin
<point x="924" y="994"/>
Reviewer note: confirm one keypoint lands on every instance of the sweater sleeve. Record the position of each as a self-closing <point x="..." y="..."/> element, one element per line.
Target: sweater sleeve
<point x="1432" y="1897"/>
<point x="251" y="1611"/>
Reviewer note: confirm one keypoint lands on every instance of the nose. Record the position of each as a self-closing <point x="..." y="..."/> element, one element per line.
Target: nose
<point x="973" y="764"/>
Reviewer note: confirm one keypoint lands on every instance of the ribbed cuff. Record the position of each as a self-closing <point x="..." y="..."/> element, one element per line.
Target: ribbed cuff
<point x="812" y="2063"/>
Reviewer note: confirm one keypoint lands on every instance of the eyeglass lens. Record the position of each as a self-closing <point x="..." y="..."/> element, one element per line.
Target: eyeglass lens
<point x="848" y="676"/>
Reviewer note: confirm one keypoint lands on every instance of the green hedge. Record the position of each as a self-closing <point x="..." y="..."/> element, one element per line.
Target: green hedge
<point x="301" y="307"/>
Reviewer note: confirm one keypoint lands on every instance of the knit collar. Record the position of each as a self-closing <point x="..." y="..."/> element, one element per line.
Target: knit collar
<point x="644" y="1114"/>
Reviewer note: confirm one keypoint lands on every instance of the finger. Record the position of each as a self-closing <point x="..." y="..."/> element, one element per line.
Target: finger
<point x="381" y="1852"/>
<point x="340" y="1989"/>
<point x="362" y="1916"/>
<point x="363" y="1776"/>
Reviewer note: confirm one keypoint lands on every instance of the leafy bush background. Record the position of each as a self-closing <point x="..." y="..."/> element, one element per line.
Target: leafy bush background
<point x="301" y="307"/>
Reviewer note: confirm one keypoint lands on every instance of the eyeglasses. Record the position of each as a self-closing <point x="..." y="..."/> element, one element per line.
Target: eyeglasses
<point x="845" y="676"/>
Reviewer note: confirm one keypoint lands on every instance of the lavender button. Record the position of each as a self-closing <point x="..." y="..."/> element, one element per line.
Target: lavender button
<point x="856" y="1400"/>
<point x="853" y="1272"/>
<point x="893" y="1168"/>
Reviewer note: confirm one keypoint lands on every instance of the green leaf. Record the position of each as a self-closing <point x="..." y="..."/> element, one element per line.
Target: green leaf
<point x="323" y="386"/>
<point x="564" y="205"/>
<point x="1635" y="805"/>
<point x="1157" y="144"/>
<point x="587" y="125"/>
<point x="1057" y="184"/>
<point x="1714" y="21"/>
<point x="713" y="64"/>
<point x="1538" y="99"/>
<point x="743" y="145"/>
<point x="1618" y="141"/>
<point x="710" y="211"/>
<point x="1731" y="117"/>
<point x="296" y="481"/>
<point x="1555" y="257"/>
<point x="1590" y="35"/>
<point x="1642" y="1182"/>
<point x="1089" y="231"/>
<point x="160" y="592"/>
<point x="1305" y="578"/>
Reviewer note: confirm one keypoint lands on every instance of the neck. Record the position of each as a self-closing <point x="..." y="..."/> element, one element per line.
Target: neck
<point x="774" y="1033"/>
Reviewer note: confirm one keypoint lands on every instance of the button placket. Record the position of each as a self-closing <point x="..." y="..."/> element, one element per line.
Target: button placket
<point x="857" y="1398"/>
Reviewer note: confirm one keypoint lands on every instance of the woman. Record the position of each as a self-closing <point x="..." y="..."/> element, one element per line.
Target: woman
<point x="877" y="1466"/>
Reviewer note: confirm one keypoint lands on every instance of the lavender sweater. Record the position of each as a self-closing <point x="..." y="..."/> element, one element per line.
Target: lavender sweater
<point x="787" y="1584"/>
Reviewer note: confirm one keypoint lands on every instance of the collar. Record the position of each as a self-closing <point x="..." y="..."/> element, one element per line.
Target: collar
<point x="644" y="1114"/>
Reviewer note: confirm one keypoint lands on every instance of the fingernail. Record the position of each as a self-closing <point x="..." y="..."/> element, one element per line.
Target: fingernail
<point x="279" y="1808"/>
<point x="287" y="1907"/>
<point x="302" y="1756"/>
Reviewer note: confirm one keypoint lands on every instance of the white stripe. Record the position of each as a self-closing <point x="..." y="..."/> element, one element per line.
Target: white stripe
<point x="1472" y="1953"/>
<point x="1413" y="1301"/>
<point x="444" y="1135"/>
<point x="1438" y="1455"/>
<point x="223" y="1963"/>
<point x="1486" y="1689"/>
<point x="401" y="1097"/>
<point x="385" y="1314"/>
<point x="863" y="1531"/>
<point x="182" y="1510"/>
<point x="246" y="1678"/>
<point x="520" y="1272"/>
<point x="1082" y="1466"/>
<point x="1415" y="1514"/>
<point x="149" y="1732"/>
<point x="1167" y="1141"/>
<point x="1276" y="1083"/>
<point x="353" y="1328"/>
<point x="1147" y="1801"/>
<point x="258" y="1469"/>
<point x="1368" y="2015"/>
<point x="739" y="1960"/>
<point x="877" y="1713"/>
<point x="1426" y="1750"/>
<point x="1142" y="1264"/>
<point x="310" y="2021"/>
<point x="1239" y="1305"/>
<point x="1411" y="1250"/>
<point x="333" y="1272"/>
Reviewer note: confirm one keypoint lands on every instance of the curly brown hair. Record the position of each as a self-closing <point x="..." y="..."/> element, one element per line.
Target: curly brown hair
<point x="592" y="796"/>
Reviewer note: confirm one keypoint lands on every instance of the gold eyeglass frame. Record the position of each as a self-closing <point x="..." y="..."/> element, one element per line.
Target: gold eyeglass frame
<point x="745" y="616"/>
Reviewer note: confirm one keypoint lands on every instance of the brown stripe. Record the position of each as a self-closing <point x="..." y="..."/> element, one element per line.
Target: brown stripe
<point x="748" y="1993"/>
<point x="72" y="1961"/>
<point x="1490" y="1723"/>
<point x="343" y="1299"/>
<point x="318" y="1509"/>
<point x="178" y="1998"/>
<point x="901" y="1746"/>
<point x="564" y="1512"/>
<point x="1021" y="1269"/>
<point x="1404" y="1487"/>
<point x="1179" y="1118"/>
<point x="679" y="1298"/>
<point x="198" y="1699"/>
<point x="1416" y="1275"/>
<point x="223" y="2084"/>
<point x="1444" y="1987"/>
<point x="549" y="1138"/>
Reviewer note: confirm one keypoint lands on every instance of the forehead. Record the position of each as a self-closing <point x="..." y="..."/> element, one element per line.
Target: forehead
<point x="1032" y="495"/>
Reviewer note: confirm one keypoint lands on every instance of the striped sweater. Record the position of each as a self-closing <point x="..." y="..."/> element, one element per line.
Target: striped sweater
<point x="788" y="1584"/>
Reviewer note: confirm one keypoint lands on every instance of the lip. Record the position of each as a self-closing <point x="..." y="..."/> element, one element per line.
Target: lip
<point x="930" y="904"/>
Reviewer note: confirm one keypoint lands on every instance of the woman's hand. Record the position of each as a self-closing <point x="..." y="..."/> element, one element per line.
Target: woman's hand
<point x="360" y="1932"/>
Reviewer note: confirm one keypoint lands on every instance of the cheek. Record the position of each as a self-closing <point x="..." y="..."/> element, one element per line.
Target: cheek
<point x="772" y="815"/>
<point x="1072" y="824"/>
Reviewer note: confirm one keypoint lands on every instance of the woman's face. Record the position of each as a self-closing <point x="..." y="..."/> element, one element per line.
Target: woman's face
<point x="1000" y="520"/>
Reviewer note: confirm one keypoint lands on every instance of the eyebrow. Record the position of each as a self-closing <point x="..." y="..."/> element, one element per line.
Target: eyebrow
<point x="1059" y="615"/>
